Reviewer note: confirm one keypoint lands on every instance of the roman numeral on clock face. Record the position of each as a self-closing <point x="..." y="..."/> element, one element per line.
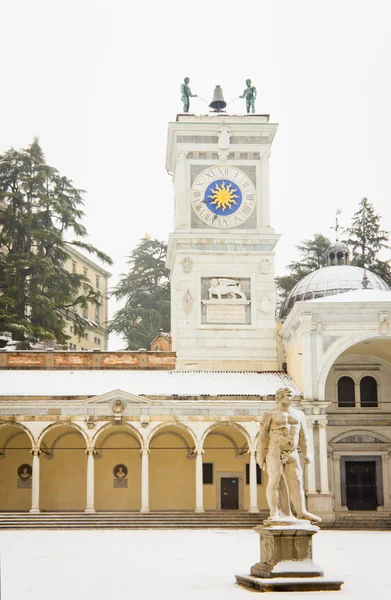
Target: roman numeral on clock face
<point x="246" y="209"/>
<point x="223" y="171"/>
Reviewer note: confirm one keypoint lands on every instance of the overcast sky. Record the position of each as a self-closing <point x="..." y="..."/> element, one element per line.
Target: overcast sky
<point x="98" y="82"/>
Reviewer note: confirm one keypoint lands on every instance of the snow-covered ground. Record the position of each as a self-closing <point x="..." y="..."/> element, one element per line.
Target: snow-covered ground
<point x="141" y="565"/>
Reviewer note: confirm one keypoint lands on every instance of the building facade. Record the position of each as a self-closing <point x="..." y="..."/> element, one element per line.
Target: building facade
<point x="161" y="430"/>
<point x="96" y="317"/>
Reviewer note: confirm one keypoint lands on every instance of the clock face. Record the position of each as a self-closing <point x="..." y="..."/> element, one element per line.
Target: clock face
<point x="223" y="197"/>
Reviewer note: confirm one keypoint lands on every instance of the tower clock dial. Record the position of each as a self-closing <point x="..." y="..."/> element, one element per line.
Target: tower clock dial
<point x="223" y="197"/>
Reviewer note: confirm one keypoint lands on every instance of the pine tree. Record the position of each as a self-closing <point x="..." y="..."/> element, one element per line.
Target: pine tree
<point x="313" y="256"/>
<point x="146" y="290"/>
<point x="41" y="210"/>
<point x="367" y="239"/>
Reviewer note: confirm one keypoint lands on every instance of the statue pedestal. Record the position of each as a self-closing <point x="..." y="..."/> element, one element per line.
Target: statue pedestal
<point x="286" y="560"/>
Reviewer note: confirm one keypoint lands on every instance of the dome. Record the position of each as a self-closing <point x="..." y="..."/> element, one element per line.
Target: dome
<point x="330" y="281"/>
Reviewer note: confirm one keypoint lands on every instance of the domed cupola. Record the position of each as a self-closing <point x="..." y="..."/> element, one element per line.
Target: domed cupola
<point x="329" y="281"/>
<point x="337" y="254"/>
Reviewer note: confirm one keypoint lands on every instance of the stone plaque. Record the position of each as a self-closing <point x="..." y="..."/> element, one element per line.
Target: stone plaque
<point x="120" y="483"/>
<point x="225" y="313"/>
<point x="25" y="484"/>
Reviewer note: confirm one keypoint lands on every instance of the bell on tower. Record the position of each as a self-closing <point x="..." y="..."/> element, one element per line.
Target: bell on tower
<point x="218" y="103"/>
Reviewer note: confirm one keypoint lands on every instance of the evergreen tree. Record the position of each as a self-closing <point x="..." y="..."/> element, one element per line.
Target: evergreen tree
<point x="367" y="239"/>
<point x="41" y="209"/>
<point x="313" y="256"/>
<point x="146" y="290"/>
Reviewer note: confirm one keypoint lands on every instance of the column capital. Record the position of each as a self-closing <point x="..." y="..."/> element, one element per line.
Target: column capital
<point x="264" y="156"/>
<point x="91" y="451"/>
<point x="35" y="451"/>
<point x="322" y="423"/>
<point x="144" y="451"/>
<point x="199" y="451"/>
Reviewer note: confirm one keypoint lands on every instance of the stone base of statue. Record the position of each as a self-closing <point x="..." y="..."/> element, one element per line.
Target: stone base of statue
<point x="286" y="560"/>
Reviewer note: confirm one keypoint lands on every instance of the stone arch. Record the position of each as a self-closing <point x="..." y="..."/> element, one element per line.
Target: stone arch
<point x="226" y="446"/>
<point x="171" y="424"/>
<point x="335" y="350"/>
<point x="125" y="424"/>
<point x="15" y="452"/>
<point x="19" y="426"/>
<point x="227" y="424"/>
<point x="63" y="472"/>
<point x="171" y="473"/>
<point x="338" y="439"/>
<point x="63" y="424"/>
<point x="117" y="445"/>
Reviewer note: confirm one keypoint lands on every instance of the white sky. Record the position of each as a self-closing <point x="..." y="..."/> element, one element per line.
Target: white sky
<point x="98" y="82"/>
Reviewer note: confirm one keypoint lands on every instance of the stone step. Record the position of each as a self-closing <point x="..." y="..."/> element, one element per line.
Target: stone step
<point x="132" y="520"/>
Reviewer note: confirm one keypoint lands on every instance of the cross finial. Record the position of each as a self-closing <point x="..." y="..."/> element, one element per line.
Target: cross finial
<point x="337" y="226"/>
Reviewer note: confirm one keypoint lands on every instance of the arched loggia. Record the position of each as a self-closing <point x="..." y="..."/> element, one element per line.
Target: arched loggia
<point x="63" y="469"/>
<point x="117" y="469"/>
<point x="15" y="469"/>
<point x="172" y="469"/>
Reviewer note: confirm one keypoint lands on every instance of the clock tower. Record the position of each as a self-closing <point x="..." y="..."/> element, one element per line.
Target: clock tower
<point x="221" y="253"/>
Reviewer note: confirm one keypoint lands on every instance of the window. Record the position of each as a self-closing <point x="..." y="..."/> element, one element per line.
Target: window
<point x="97" y="282"/>
<point x="368" y="392"/>
<point x="346" y="392"/>
<point x="86" y="336"/>
<point x="207" y="472"/>
<point x="97" y="314"/>
<point x="85" y="313"/>
<point x="85" y="272"/>
<point x="73" y="267"/>
<point x="259" y="475"/>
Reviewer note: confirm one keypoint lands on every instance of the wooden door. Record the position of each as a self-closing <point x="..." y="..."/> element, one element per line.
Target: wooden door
<point x="361" y="485"/>
<point x="230" y="493"/>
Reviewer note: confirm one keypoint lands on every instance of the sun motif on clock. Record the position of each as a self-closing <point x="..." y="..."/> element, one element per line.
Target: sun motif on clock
<point x="223" y="197"/>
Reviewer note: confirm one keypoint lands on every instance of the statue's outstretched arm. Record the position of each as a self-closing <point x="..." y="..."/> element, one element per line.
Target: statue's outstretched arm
<point x="263" y="439"/>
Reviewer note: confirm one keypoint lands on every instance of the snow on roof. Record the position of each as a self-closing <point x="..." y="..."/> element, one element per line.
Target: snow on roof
<point x="147" y="383"/>
<point x="357" y="296"/>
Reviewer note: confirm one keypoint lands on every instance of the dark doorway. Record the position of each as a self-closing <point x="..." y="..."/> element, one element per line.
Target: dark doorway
<point x="230" y="493"/>
<point x="361" y="485"/>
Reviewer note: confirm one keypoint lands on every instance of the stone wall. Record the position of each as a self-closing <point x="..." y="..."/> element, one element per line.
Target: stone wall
<point x="87" y="360"/>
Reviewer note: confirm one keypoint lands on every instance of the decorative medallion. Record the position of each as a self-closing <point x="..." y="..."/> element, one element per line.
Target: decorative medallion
<point x="25" y="472"/>
<point x="120" y="471"/>
<point x="223" y="197"/>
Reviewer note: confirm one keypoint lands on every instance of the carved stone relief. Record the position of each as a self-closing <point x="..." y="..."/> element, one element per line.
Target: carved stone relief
<point x="187" y="301"/>
<point x="187" y="264"/>
<point x="225" y="300"/>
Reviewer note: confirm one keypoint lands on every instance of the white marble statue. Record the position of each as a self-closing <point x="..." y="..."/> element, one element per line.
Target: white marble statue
<point x="283" y="432"/>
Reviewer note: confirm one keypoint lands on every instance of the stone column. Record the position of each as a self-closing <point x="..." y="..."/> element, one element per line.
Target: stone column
<point x="311" y="478"/>
<point x="90" y="481"/>
<point x="182" y="204"/>
<point x="199" y="483"/>
<point x="307" y="359"/>
<point x="324" y="475"/>
<point x="386" y="481"/>
<point x="253" y="483"/>
<point x="144" y="480"/>
<point x="35" y="482"/>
